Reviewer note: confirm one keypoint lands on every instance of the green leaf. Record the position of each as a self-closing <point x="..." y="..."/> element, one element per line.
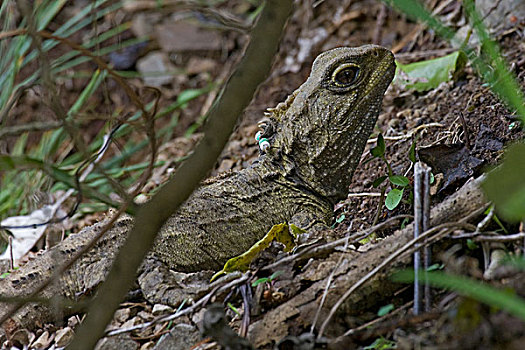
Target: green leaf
<point x="97" y="78"/>
<point x="404" y="222"/>
<point x="260" y="280"/>
<point x="46" y="14"/>
<point x="399" y="180"/>
<point x="471" y="244"/>
<point x="492" y="65"/>
<point x="505" y="185"/>
<point x="188" y="95"/>
<point x="267" y="279"/>
<point x="28" y="163"/>
<point x="296" y="231"/>
<point x="379" y="181"/>
<point x="340" y="218"/>
<point x="468" y="287"/>
<point x="20" y="145"/>
<point x="234" y="309"/>
<point x="275" y="274"/>
<point x="393" y="198"/>
<point x="4" y="240"/>
<point x="385" y="310"/>
<point x="435" y="267"/>
<point x="379" y="149"/>
<point x="427" y="75"/>
<point x="381" y="344"/>
<point x="412" y="151"/>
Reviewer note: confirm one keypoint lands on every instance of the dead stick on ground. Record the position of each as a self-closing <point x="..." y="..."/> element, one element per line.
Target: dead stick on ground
<point x="468" y="202"/>
<point x="331" y="246"/>
<point x="406" y="249"/>
<point x="421" y="220"/>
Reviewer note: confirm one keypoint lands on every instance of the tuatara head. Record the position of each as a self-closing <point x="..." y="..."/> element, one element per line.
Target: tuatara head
<point x="320" y="132"/>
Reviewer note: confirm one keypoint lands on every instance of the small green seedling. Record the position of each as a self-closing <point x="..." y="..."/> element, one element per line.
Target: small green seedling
<point x="398" y="182"/>
<point x="234" y="309"/>
<point x="384" y="310"/>
<point x="267" y="279"/>
<point x="381" y="344"/>
<point x="339" y="220"/>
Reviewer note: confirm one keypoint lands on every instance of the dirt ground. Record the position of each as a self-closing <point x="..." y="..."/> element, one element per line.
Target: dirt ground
<point x="461" y="111"/>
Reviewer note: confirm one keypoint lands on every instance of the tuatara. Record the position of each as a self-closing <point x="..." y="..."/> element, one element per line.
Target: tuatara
<point x="312" y="144"/>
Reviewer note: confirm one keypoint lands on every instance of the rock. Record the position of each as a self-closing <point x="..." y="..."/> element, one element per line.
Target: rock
<point x="126" y="57"/>
<point x="143" y="24"/>
<point x="183" y="336"/>
<point x="502" y="14"/>
<point x="64" y="337"/>
<point x="132" y="322"/>
<point x="120" y="342"/>
<point x="161" y="309"/>
<point x="43" y="341"/>
<point x="186" y="36"/>
<point x="226" y="164"/>
<point x="156" y="68"/>
<point x="145" y="316"/>
<point x="122" y="315"/>
<point x="198" y="316"/>
<point x="147" y="346"/>
<point x="22" y="338"/>
<point x="73" y="321"/>
<point x="198" y="65"/>
<point x="497" y="16"/>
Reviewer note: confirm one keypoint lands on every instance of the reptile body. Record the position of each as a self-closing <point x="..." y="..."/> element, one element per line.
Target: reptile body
<point x="316" y="138"/>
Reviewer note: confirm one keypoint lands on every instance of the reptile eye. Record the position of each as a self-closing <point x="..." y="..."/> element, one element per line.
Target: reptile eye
<point x="345" y="74"/>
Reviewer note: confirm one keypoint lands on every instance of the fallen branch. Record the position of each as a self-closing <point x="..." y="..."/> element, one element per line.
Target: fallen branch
<point x="299" y="311"/>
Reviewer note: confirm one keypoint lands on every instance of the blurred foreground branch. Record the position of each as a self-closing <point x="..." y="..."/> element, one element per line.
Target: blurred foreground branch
<point x="236" y="95"/>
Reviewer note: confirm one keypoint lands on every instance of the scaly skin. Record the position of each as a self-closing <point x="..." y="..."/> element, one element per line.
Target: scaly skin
<point x="316" y="140"/>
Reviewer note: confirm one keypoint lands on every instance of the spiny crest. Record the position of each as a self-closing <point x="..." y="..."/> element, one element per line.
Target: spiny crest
<point x="280" y="110"/>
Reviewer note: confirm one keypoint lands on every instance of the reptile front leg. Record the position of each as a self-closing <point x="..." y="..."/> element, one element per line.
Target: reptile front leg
<point x="161" y="285"/>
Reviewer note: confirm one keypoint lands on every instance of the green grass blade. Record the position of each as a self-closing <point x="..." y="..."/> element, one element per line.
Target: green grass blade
<point x="415" y="10"/>
<point x="50" y="144"/>
<point x="27" y="163"/>
<point x="496" y="72"/>
<point x="100" y="38"/>
<point x="502" y="81"/>
<point x="87" y="20"/>
<point x="47" y="11"/>
<point x="69" y="27"/>
<point x="477" y="290"/>
<point x="20" y="145"/>
<point x="81" y="59"/>
<point x="88" y="91"/>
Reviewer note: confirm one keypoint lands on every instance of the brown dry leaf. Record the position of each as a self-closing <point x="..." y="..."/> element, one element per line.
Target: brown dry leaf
<point x="453" y="160"/>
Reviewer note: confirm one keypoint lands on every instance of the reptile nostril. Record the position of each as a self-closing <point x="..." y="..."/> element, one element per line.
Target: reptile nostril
<point x="376" y="54"/>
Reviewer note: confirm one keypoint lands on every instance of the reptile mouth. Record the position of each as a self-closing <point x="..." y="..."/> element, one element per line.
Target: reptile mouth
<point x="381" y="77"/>
<point x="388" y="65"/>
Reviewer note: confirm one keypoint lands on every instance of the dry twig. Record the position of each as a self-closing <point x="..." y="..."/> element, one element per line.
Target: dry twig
<point x="200" y="303"/>
<point x="332" y="246"/>
<point x="408" y="248"/>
